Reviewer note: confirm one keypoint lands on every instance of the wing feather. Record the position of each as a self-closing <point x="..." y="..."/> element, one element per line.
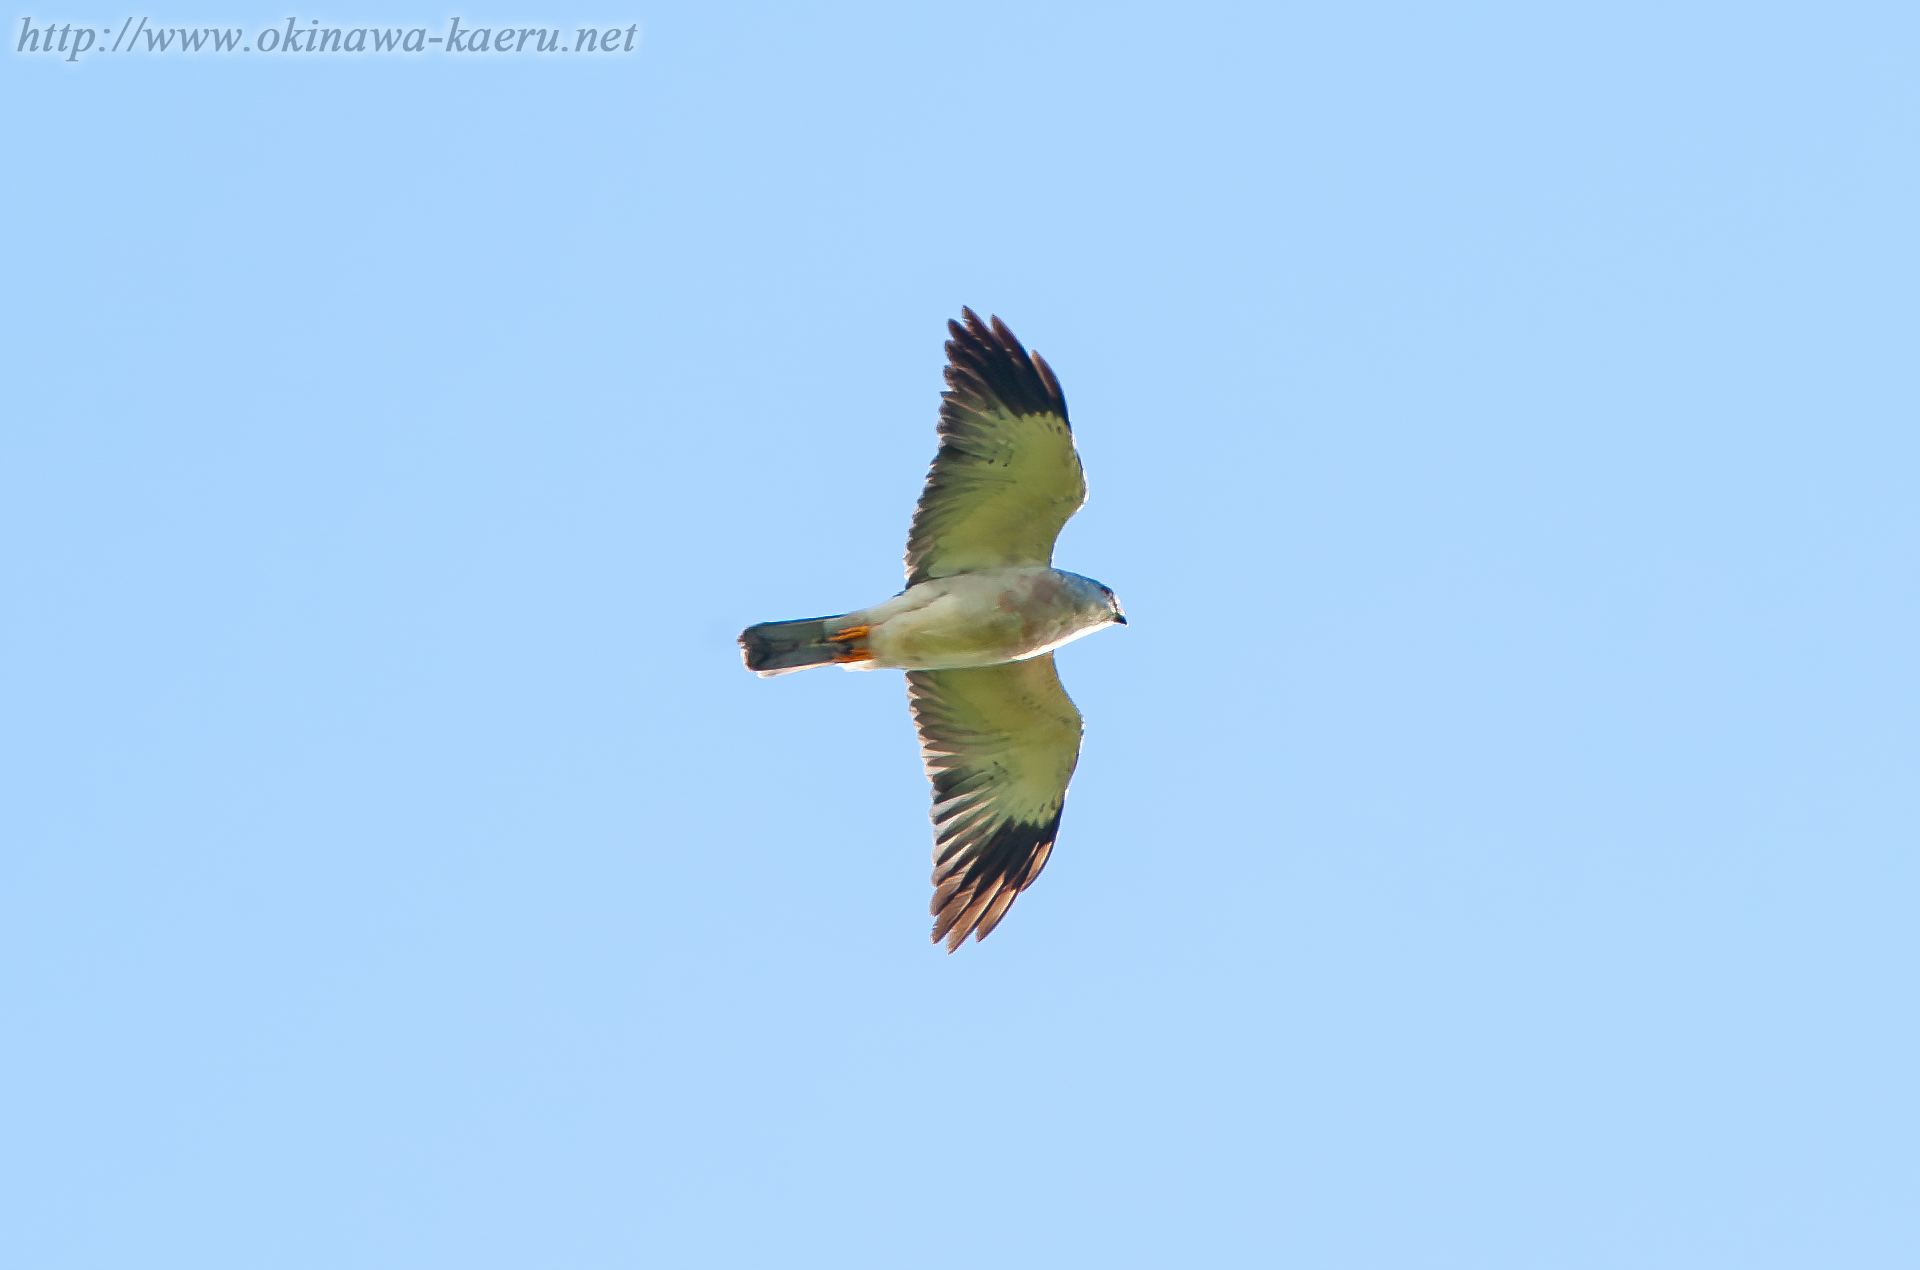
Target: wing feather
<point x="1000" y="744"/>
<point x="1006" y="477"/>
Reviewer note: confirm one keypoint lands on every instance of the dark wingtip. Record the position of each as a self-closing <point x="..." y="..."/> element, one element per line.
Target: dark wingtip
<point x="986" y="362"/>
<point x="973" y="893"/>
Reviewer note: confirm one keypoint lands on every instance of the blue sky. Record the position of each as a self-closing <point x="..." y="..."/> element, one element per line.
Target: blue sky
<point x="1494" y="841"/>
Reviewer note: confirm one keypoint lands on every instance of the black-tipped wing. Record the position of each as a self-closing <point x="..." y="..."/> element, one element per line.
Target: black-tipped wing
<point x="1000" y="743"/>
<point x="1006" y="477"/>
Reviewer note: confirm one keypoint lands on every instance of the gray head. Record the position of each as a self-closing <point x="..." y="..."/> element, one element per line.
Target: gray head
<point x="1097" y="598"/>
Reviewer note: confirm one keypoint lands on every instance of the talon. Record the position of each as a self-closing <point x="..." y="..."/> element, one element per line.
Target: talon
<point x="852" y="632"/>
<point x="852" y="655"/>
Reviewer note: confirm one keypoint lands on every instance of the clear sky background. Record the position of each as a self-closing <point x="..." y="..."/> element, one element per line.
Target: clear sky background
<point x="1494" y="844"/>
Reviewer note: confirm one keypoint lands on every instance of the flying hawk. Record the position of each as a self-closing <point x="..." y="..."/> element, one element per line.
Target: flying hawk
<point x="976" y="627"/>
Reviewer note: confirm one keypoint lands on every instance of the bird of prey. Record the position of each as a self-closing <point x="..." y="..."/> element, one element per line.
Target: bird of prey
<point x="976" y="627"/>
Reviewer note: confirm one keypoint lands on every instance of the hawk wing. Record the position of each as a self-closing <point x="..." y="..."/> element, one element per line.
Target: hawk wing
<point x="1006" y="477"/>
<point x="1000" y="743"/>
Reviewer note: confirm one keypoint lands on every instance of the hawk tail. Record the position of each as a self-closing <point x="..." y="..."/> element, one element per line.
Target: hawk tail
<point x="780" y="648"/>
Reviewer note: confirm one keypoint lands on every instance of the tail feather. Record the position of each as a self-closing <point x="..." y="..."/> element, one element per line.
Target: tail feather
<point x="780" y="648"/>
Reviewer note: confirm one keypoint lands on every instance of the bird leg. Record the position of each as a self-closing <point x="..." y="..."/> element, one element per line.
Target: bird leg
<point x="850" y="653"/>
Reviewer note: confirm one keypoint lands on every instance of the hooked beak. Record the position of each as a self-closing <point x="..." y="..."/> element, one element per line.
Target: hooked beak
<point x="1120" y="618"/>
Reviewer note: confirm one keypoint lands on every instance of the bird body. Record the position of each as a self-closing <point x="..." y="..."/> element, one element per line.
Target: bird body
<point x="986" y="618"/>
<point x="977" y="625"/>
